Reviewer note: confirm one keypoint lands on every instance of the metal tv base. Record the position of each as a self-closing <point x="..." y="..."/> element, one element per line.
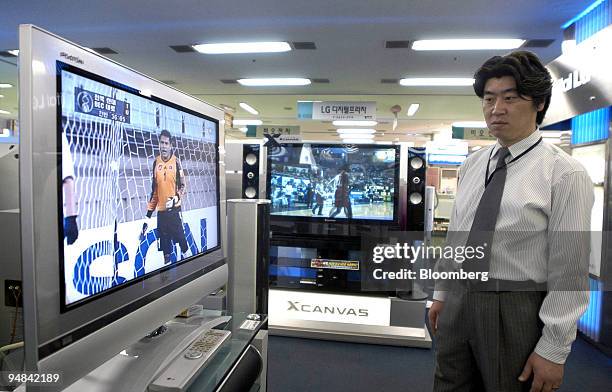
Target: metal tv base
<point x="406" y="325"/>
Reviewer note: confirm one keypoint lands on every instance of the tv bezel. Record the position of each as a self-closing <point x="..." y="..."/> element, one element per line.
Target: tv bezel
<point x="97" y="330"/>
<point x="62" y="66"/>
<point x="341" y="221"/>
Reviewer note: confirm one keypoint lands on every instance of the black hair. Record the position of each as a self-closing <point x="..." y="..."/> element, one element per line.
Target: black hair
<point x="531" y="76"/>
<point x="167" y="134"/>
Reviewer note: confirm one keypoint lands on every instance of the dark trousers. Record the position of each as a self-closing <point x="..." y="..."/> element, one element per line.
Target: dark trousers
<point x="171" y="231"/>
<point x="484" y="340"/>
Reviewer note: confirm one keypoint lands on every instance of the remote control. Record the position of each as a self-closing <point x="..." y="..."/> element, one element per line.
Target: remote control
<point x="188" y="365"/>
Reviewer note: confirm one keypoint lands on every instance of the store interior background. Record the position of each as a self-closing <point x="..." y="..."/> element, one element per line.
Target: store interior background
<point x="352" y="51"/>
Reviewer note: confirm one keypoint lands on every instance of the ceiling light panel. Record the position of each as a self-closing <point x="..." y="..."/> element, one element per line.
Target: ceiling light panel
<point x="248" y="108"/>
<point x="451" y="82"/>
<point x="243" y="47"/>
<point x="467" y="44"/>
<point x="412" y="109"/>
<point x="259" y="82"/>
<point x="354" y="131"/>
<point x="239" y="122"/>
<point x="354" y="123"/>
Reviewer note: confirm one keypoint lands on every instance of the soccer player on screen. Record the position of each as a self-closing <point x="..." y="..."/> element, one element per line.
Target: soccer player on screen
<point x="167" y="190"/>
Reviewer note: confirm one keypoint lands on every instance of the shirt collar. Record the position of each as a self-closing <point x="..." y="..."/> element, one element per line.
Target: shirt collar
<point x="519" y="147"/>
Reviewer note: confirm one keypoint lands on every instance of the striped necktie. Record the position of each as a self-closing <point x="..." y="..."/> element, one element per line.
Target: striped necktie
<point x="483" y="226"/>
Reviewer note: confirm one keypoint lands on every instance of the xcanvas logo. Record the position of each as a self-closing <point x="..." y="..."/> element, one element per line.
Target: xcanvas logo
<point x="296" y="306"/>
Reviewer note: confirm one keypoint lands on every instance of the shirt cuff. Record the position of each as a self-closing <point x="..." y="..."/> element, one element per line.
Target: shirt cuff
<point x="439" y="296"/>
<point x="552" y="352"/>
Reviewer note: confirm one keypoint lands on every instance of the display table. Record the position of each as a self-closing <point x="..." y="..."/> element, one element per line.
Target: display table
<point x="235" y="367"/>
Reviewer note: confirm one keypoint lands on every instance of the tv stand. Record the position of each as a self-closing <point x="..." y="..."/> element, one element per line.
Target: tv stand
<point x="136" y="367"/>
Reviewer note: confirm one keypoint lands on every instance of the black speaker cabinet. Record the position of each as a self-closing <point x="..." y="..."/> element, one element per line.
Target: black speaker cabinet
<point x="250" y="171"/>
<point x="417" y="168"/>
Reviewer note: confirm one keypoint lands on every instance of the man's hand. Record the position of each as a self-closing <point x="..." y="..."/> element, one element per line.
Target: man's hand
<point x="547" y="375"/>
<point x="434" y="313"/>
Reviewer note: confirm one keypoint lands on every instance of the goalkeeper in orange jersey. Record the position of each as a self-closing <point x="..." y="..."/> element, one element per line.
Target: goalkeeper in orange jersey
<point x="167" y="190"/>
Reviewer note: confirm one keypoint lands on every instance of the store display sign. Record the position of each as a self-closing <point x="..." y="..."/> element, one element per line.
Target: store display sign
<point x="582" y="81"/>
<point x="472" y="133"/>
<point x="277" y="130"/>
<point x="453" y="152"/>
<point x="337" y="110"/>
<point x="294" y="305"/>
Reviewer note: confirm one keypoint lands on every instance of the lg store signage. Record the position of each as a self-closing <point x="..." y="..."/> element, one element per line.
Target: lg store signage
<point x="582" y="81"/>
<point x="337" y="110"/>
<point x="289" y="305"/>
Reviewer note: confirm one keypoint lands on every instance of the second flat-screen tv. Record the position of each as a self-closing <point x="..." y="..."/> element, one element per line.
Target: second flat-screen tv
<point x="335" y="184"/>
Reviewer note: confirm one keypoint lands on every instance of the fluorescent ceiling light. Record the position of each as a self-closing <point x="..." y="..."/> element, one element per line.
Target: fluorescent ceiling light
<point x="248" y="108"/>
<point x="309" y="101"/>
<point x="243" y="47"/>
<point x="356" y="136"/>
<point x="466" y="44"/>
<point x="357" y="141"/>
<point x="470" y="124"/>
<point x="1" y="96"/>
<point x="274" y="82"/>
<point x="354" y="123"/>
<point x="14" y="52"/>
<point x="4" y="112"/>
<point x="5" y="85"/>
<point x="363" y="131"/>
<point x="247" y="122"/>
<point x="437" y="81"/>
<point x="412" y="109"/>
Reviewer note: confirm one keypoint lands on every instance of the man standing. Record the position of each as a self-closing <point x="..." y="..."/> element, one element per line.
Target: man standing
<point x="167" y="190"/>
<point x="514" y="332"/>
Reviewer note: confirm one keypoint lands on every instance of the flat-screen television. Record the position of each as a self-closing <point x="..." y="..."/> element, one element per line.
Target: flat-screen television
<point x="334" y="184"/>
<point x="121" y="193"/>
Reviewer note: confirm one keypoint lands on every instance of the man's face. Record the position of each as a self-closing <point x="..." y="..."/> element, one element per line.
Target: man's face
<point x="509" y="117"/>
<point x="165" y="148"/>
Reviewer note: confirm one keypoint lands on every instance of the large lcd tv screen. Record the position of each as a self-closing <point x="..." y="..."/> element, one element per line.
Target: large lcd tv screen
<point x="138" y="185"/>
<point x="333" y="182"/>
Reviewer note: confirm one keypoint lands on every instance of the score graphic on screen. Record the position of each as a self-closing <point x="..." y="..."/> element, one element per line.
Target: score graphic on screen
<point x="145" y="185"/>
<point x="95" y="104"/>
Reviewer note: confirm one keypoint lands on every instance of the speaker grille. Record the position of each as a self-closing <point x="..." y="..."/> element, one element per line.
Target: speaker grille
<point x="250" y="171"/>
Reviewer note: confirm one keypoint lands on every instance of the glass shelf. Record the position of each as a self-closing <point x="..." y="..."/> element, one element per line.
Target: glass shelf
<point x="224" y="360"/>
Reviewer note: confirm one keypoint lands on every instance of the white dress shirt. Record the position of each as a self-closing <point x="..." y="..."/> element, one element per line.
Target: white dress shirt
<point x="547" y="200"/>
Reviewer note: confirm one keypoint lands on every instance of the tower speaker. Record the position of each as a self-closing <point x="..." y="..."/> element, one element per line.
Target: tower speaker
<point x="417" y="168"/>
<point x="248" y="255"/>
<point x="250" y="171"/>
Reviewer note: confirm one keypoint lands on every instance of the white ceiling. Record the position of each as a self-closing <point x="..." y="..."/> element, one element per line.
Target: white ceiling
<point x="349" y="36"/>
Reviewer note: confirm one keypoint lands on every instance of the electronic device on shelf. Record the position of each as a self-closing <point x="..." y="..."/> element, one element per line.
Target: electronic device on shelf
<point x="333" y="189"/>
<point x="97" y="280"/>
<point x="181" y="372"/>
